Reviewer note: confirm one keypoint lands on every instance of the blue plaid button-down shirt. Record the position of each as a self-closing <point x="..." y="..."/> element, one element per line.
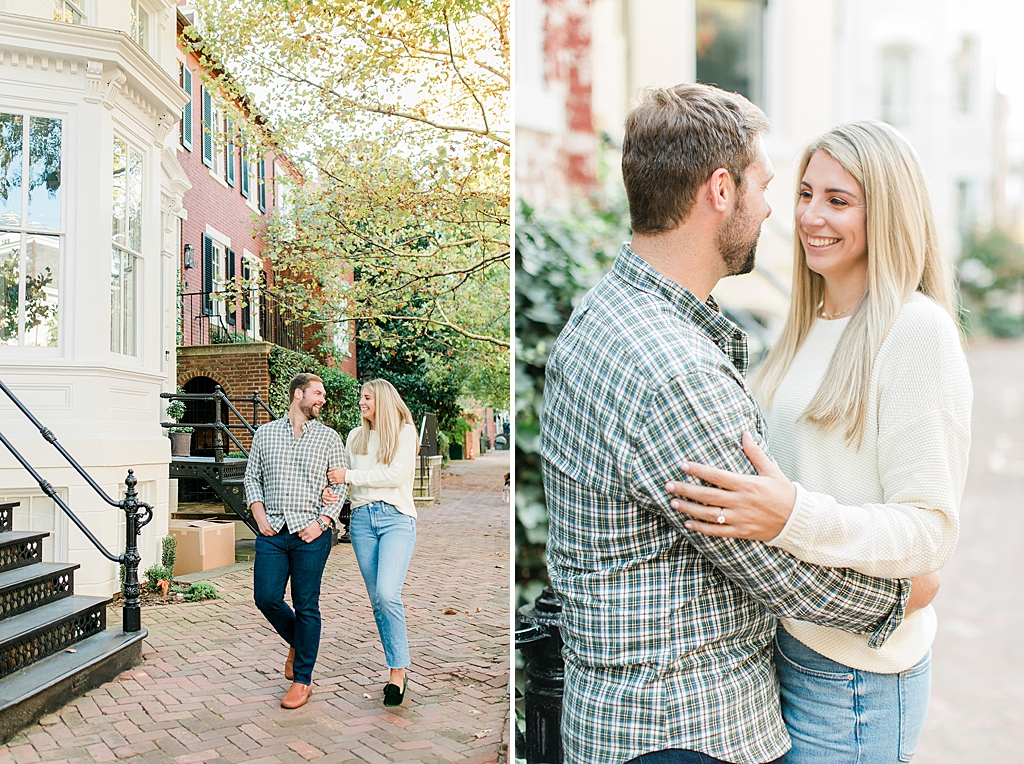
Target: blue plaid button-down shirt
<point x="667" y="632"/>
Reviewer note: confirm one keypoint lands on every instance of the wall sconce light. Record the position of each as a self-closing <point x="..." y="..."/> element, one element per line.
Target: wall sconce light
<point x="189" y="262"/>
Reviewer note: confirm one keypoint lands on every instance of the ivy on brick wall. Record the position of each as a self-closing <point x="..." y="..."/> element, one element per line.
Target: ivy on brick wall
<point x="342" y="409"/>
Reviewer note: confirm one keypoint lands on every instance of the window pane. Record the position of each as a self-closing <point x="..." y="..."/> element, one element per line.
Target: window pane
<point x="134" y="200"/>
<point x="115" y="300"/>
<point x="128" y="289"/>
<point x="42" y="282"/>
<point x="44" y="140"/>
<point x="729" y="41"/>
<point x="120" y="191"/>
<point x="10" y="169"/>
<point x="9" y="276"/>
<point x="896" y="87"/>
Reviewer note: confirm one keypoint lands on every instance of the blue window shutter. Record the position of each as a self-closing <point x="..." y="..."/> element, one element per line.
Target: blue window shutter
<point x="263" y="185"/>
<point x="243" y="181"/>
<point x="186" y="111"/>
<point x="207" y="128"/>
<point x="229" y="154"/>
<point x="207" y="274"/>
<point x="232" y="303"/>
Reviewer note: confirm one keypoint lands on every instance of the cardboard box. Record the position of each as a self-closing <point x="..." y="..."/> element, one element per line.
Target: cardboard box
<point x="202" y="545"/>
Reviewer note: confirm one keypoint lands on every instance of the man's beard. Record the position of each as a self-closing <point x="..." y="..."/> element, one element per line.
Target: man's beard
<point x="308" y="410"/>
<point x="737" y="243"/>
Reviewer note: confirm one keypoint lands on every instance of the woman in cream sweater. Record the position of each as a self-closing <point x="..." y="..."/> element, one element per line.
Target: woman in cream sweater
<point x="382" y="465"/>
<point x="867" y="398"/>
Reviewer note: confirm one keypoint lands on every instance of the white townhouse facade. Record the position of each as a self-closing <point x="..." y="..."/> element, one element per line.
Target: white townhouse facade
<point x="90" y="205"/>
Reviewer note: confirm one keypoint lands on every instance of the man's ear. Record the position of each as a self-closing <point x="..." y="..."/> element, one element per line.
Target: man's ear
<point x="720" y="189"/>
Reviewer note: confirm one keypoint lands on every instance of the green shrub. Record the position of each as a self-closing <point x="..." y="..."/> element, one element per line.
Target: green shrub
<point x="156" y="573"/>
<point x="169" y="551"/>
<point x="342" y="409"/>
<point x="200" y="591"/>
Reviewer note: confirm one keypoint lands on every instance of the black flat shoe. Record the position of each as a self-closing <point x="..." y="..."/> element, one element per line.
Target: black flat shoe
<point x="394" y="696"/>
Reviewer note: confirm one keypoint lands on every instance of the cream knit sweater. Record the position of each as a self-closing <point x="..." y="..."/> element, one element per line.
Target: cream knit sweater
<point x="889" y="509"/>
<point x="391" y="483"/>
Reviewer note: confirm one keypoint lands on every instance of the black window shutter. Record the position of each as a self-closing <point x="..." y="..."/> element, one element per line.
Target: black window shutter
<point x="243" y="181"/>
<point x="263" y="184"/>
<point x="186" y="111"/>
<point x="207" y="274"/>
<point x="229" y="154"/>
<point x="246" y="296"/>
<point x="207" y="128"/>
<point x="231" y="304"/>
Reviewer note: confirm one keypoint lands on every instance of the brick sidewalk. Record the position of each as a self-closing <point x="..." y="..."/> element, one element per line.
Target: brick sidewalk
<point x="210" y="685"/>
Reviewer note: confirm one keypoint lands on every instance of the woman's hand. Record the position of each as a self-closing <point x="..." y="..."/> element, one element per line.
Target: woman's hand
<point x="336" y="475"/>
<point x="742" y="506"/>
<point x="328" y="497"/>
<point x="922" y="591"/>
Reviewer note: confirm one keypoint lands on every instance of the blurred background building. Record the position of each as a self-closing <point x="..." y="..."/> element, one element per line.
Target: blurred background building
<point x="928" y="67"/>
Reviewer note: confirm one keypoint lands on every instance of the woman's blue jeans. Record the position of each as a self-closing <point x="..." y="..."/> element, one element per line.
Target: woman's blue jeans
<point x="279" y="558"/>
<point x="841" y="715"/>
<point x="383" y="539"/>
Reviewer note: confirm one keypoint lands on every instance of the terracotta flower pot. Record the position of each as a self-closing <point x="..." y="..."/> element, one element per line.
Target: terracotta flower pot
<point x="181" y="443"/>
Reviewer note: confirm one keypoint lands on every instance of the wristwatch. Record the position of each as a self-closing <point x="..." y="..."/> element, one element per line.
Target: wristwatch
<point x="323" y="526"/>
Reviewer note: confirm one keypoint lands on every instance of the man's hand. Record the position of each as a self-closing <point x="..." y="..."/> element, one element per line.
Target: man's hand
<point x="328" y="497"/>
<point x="259" y="514"/>
<point x="922" y="591"/>
<point x="313" y="531"/>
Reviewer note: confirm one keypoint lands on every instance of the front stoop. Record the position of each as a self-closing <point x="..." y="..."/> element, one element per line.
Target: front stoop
<point x="51" y="683"/>
<point x="54" y="644"/>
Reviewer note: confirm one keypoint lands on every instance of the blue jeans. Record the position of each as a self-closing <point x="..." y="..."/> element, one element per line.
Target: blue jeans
<point x="279" y="558"/>
<point x="846" y="716"/>
<point x="383" y="539"/>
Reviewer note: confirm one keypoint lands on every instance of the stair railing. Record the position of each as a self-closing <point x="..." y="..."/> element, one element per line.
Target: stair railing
<point x="137" y="515"/>
<point x="218" y="397"/>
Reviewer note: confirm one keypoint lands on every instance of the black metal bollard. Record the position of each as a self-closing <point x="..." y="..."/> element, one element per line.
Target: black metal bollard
<point x="540" y="641"/>
<point x="132" y="611"/>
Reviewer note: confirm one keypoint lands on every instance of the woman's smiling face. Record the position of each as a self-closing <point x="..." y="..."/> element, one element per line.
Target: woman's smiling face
<point x="831" y="220"/>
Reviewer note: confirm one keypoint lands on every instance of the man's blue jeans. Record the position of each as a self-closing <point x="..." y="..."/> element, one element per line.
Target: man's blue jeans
<point x="383" y="539"/>
<point x="279" y="558"/>
<point x="679" y="756"/>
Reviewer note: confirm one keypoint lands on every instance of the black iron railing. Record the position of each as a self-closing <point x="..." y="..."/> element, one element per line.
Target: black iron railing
<point x="137" y="514"/>
<point x="225" y="316"/>
<point x="540" y="641"/>
<point x="218" y="397"/>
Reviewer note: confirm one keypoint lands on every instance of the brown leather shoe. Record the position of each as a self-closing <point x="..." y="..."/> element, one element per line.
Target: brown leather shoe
<point x="289" y="673"/>
<point x="296" y="696"/>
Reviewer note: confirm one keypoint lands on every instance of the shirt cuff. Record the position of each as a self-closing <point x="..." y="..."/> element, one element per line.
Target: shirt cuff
<point x="895" y="617"/>
<point x="795" y="533"/>
<point x="333" y="511"/>
<point x="252" y="496"/>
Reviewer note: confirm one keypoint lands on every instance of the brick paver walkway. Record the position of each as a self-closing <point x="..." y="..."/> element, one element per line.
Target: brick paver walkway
<point x="210" y="685"/>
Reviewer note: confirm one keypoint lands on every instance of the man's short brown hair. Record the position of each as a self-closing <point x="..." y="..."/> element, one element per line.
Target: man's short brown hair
<point x="674" y="139"/>
<point x="300" y="382"/>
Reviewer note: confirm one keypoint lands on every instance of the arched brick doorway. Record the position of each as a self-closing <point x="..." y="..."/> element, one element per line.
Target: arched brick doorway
<point x="203" y="439"/>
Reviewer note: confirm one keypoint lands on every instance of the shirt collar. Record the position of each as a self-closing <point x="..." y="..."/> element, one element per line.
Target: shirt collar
<point x="707" y="316"/>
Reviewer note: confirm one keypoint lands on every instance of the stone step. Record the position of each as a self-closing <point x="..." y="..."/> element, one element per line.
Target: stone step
<point x="51" y="628"/>
<point x="20" y="548"/>
<point x="28" y="587"/>
<point x="50" y="683"/>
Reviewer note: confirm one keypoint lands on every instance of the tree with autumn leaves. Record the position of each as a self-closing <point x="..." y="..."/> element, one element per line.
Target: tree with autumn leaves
<point x="397" y="114"/>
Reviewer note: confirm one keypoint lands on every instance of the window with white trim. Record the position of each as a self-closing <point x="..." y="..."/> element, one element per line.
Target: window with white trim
<point x="220" y="295"/>
<point x="31" y="229"/>
<point x="68" y="12"/>
<point x="897" y="86"/>
<point x="126" y="247"/>
<point x="250" y="289"/>
<point x="139" y="28"/>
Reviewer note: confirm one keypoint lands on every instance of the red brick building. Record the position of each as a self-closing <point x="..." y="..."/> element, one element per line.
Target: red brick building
<point x="230" y="317"/>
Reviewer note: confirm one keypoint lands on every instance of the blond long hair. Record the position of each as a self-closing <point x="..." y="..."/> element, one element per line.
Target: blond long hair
<point x="390" y="415"/>
<point x="903" y="257"/>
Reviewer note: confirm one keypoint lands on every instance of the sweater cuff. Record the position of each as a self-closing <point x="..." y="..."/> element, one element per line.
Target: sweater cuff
<point x="795" y="534"/>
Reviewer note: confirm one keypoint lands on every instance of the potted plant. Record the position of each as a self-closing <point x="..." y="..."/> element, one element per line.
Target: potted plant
<point x="181" y="437"/>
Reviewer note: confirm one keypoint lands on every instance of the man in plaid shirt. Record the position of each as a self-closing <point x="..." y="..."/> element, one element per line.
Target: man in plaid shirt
<point x="668" y="632"/>
<point x="286" y="472"/>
